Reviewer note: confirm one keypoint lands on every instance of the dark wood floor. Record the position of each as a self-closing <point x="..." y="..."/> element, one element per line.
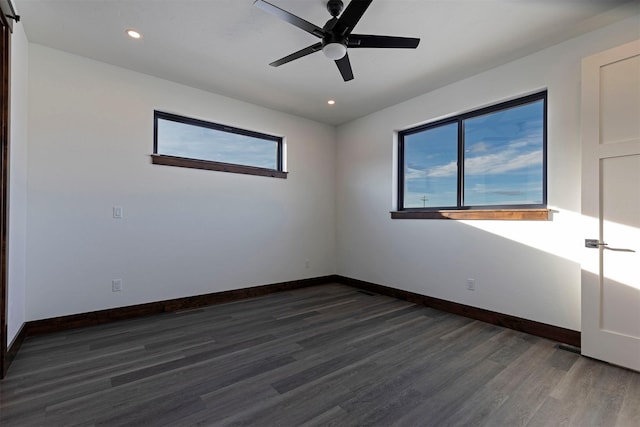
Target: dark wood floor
<point x="327" y="355"/>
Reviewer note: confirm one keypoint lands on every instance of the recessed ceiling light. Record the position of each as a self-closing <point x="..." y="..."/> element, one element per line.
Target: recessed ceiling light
<point x="331" y="102"/>
<point x="134" y="34"/>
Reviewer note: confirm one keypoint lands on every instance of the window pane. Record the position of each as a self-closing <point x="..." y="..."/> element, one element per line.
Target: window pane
<point x="503" y="157"/>
<point x="430" y="167"/>
<point x="197" y="142"/>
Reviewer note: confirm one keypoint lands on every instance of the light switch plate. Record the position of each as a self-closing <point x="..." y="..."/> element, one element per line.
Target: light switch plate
<point x="117" y="212"/>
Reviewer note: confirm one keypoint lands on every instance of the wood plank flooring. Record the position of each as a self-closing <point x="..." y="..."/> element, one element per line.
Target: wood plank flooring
<point x="323" y="356"/>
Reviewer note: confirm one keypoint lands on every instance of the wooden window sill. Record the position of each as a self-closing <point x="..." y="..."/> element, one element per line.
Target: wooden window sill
<point x="183" y="162"/>
<point x="486" y="214"/>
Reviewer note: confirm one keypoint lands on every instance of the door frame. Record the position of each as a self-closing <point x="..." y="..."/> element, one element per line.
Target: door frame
<point x="6" y="27"/>
<point x="595" y="342"/>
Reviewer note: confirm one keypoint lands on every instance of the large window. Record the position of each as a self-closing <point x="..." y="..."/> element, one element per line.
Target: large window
<point x="489" y="159"/>
<point x="185" y="142"/>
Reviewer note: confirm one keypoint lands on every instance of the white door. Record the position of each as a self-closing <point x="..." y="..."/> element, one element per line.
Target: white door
<point x="611" y="205"/>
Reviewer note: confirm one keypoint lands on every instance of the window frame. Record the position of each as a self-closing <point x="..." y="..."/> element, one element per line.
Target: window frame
<point x="195" y="163"/>
<point x="516" y="211"/>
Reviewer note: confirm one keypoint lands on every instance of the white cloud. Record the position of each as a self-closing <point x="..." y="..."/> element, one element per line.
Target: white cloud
<point x="506" y="161"/>
<point x="413" y="174"/>
<point x="521" y="144"/>
<point x="450" y="169"/>
<point x="483" y="158"/>
<point x="479" y="147"/>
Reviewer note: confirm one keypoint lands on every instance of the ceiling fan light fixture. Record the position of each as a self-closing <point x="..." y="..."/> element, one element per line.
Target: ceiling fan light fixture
<point x="334" y="51"/>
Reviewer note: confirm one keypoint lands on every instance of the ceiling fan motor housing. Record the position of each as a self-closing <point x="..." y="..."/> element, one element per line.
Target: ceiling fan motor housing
<point x="331" y="37"/>
<point x="334" y="7"/>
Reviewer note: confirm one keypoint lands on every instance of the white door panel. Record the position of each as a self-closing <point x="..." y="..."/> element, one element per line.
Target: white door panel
<point x="619" y="106"/>
<point x="621" y="257"/>
<point x="611" y="205"/>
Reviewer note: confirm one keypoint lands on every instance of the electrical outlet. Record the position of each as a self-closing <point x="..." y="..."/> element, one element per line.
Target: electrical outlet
<point x="307" y="264"/>
<point x="116" y="285"/>
<point x="471" y="284"/>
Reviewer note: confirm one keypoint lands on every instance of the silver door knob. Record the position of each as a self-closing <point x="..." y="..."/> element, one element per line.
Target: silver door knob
<point x="593" y="243"/>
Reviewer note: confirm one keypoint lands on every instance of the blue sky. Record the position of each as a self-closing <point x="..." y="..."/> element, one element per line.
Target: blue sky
<point x="184" y="140"/>
<point x="503" y="160"/>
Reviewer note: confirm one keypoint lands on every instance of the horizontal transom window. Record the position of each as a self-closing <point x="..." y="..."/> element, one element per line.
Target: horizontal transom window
<point x="491" y="158"/>
<point x="187" y="142"/>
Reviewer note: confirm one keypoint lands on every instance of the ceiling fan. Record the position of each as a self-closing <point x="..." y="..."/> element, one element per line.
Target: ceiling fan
<point x="336" y="34"/>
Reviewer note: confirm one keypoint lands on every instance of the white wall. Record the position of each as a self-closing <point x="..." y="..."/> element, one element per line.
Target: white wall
<point x="17" y="183"/>
<point x="526" y="269"/>
<point x="185" y="231"/>
<point x="188" y="232"/>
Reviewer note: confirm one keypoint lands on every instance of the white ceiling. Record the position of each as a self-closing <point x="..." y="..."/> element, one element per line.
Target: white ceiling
<point x="225" y="46"/>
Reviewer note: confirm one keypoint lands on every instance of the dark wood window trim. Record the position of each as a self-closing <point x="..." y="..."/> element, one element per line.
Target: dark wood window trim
<point x="195" y="163"/>
<point x="470" y="214"/>
<point x="183" y="162"/>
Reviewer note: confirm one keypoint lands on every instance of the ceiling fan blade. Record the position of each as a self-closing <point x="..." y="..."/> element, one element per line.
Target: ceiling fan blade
<point x="350" y="17"/>
<point x="290" y="18"/>
<point x="299" y="54"/>
<point x="391" y="42"/>
<point x="344" y="65"/>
